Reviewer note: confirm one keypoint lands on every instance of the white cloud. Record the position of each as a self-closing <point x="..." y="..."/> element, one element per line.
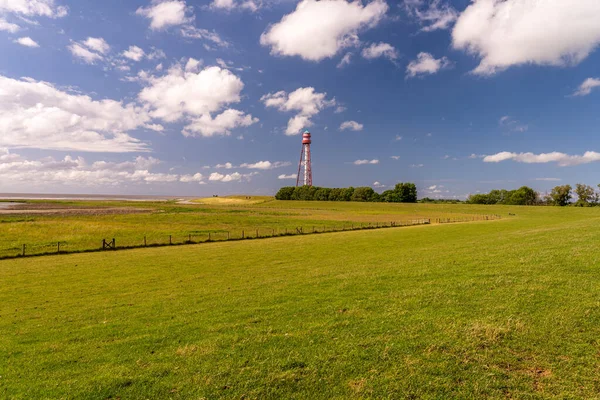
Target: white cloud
<point x="164" y="14"/>
<point x="222" y="124"/>
<point x="345" y="60"/>
<point x="193" y="94"/>
<point x="515" y="32"/>
<point x="134" y="53"/>
<point x="376" y="50"/>
<point x="264" y="165"/>
<point x="90" y="51"/>
<point x="98" y="45"/>
<point x="8" y="26"/>
<point x="227" y="165"/>
<point x="340" y="109"/>
<point x="191" y="32"/>
<point x="217" y="177"/>
<point x="320" y="29"/>
<point x="562" y="159"/>
<point x="291" y="176"/>
<point x="426" y="64"/>
<point x="35" y="114"/>
<point x="512" y="124"/>
<point x="229" y="5"/>
<point x="395" y="157"/>
<point x="587" y="86"/>
<point x="398" y="138"/>
<point x="33" y="8"/>
<point x="76" y="172"/>
<point x="378" y="184"/>
<point x="305" y="101"/>
<point x="432" y="187"/>
<point x="352" y="125"/>
<point x="365" y="162"/>
<point x="197" y="177"/>
<point x="417" y="165"/>
<point x="27" y="42"/>
<point x="436" y="16"/>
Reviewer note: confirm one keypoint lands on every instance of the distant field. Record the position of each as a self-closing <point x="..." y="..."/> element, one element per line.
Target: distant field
<point x="82" y="225"/>
<point x="502" y="309"/>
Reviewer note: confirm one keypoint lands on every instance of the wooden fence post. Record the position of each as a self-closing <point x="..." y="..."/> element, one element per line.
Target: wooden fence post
<point x="24" y="246"/>
<point x="145" y="243"/>
<point x="170" y="240"/>
<point x="58" y="247"/>
<point x="227" y="235"/>
<point x="209" y="236"/>
<point x="242" y="234"/>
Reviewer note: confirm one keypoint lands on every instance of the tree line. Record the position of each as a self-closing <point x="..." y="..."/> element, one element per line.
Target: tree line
<point x="402" y="193"/>
<point x="526" y="196"/>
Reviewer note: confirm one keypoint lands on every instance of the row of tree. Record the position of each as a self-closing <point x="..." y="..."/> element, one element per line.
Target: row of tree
<point x="402" y="193"/>
<point x="526" y="196"/>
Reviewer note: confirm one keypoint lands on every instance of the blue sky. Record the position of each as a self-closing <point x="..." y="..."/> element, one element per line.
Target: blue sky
<point x="198" y="98"/>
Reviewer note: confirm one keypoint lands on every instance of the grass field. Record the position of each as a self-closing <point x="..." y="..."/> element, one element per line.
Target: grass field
<point x="82" y="225"/>
<point x="501" y="309"/>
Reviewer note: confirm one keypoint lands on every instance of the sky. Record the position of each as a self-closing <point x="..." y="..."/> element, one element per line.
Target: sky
<point x="195" y="98"/>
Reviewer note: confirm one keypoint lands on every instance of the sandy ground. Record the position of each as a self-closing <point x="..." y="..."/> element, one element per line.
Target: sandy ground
<point x="57" y="209"/>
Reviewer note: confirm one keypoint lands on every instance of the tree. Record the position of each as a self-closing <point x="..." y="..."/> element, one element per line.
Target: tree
<point x="363" y="194"/>
<point x="407" y="192"/>
<point x="285" y="193"/>
<point x="322" y="194"/>
<point x="561" y="195"/>
<point x="586" y="195"/>
<point x="523" y="196"/>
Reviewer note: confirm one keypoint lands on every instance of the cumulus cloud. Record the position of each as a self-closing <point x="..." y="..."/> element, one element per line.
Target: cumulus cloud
<point x="99" y="45"/>
<point x="291" y="176"/>
<point x="515" y="32"/>
<point x="562" y="159"/>
<point x="186" y="92"/>
<point x="8" y="26"/>
<point x="395" y="157"/>
<point x="229" y="5"/>
<point x="222" y="124"/>
<point x="316" y="30"/>
<point x="351" y="125"/>
<point x="27" y="42"/>
<point x="264" y="165"/>
<point x="376" y="50"/>
<point x="587" y="86"/>
<point x="435" y="16"/>
<point x="234" y="177"/>
<point x="417" y="165"/>
<point x="426" y="64"/>
<point x="70" y="171"/>
<point x="378" y="185"/>
<point x="305" y="101"/>
<point x="34" y="8"/>
<point x="227" y="165"/>
<point x="365" y="162"/>
<point x="165" y="14"/>
<point x="134" y="53"/>
<point x="35" y="114"/>
<point x="90" y="50"/>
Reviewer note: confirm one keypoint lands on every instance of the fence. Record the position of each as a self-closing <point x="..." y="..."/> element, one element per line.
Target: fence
<point x="223" y="236"/>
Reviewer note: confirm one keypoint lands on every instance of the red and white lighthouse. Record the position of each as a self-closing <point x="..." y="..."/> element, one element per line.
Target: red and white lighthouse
<point x="305" y="177"/>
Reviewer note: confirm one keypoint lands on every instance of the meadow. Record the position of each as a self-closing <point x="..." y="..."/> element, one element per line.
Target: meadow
<point x="487" y="309"/>
<point x="73" y="226"/>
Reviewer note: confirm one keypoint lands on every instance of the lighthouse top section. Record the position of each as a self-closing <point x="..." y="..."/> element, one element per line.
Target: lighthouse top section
<point x="306" y="138"/>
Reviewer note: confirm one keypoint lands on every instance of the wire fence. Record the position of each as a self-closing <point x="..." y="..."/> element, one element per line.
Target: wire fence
<point x="122" y="243"/>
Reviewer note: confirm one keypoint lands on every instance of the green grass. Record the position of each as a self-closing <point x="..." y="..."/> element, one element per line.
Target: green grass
<point x="161" y="220"/>
<point x="502" y="309"/>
